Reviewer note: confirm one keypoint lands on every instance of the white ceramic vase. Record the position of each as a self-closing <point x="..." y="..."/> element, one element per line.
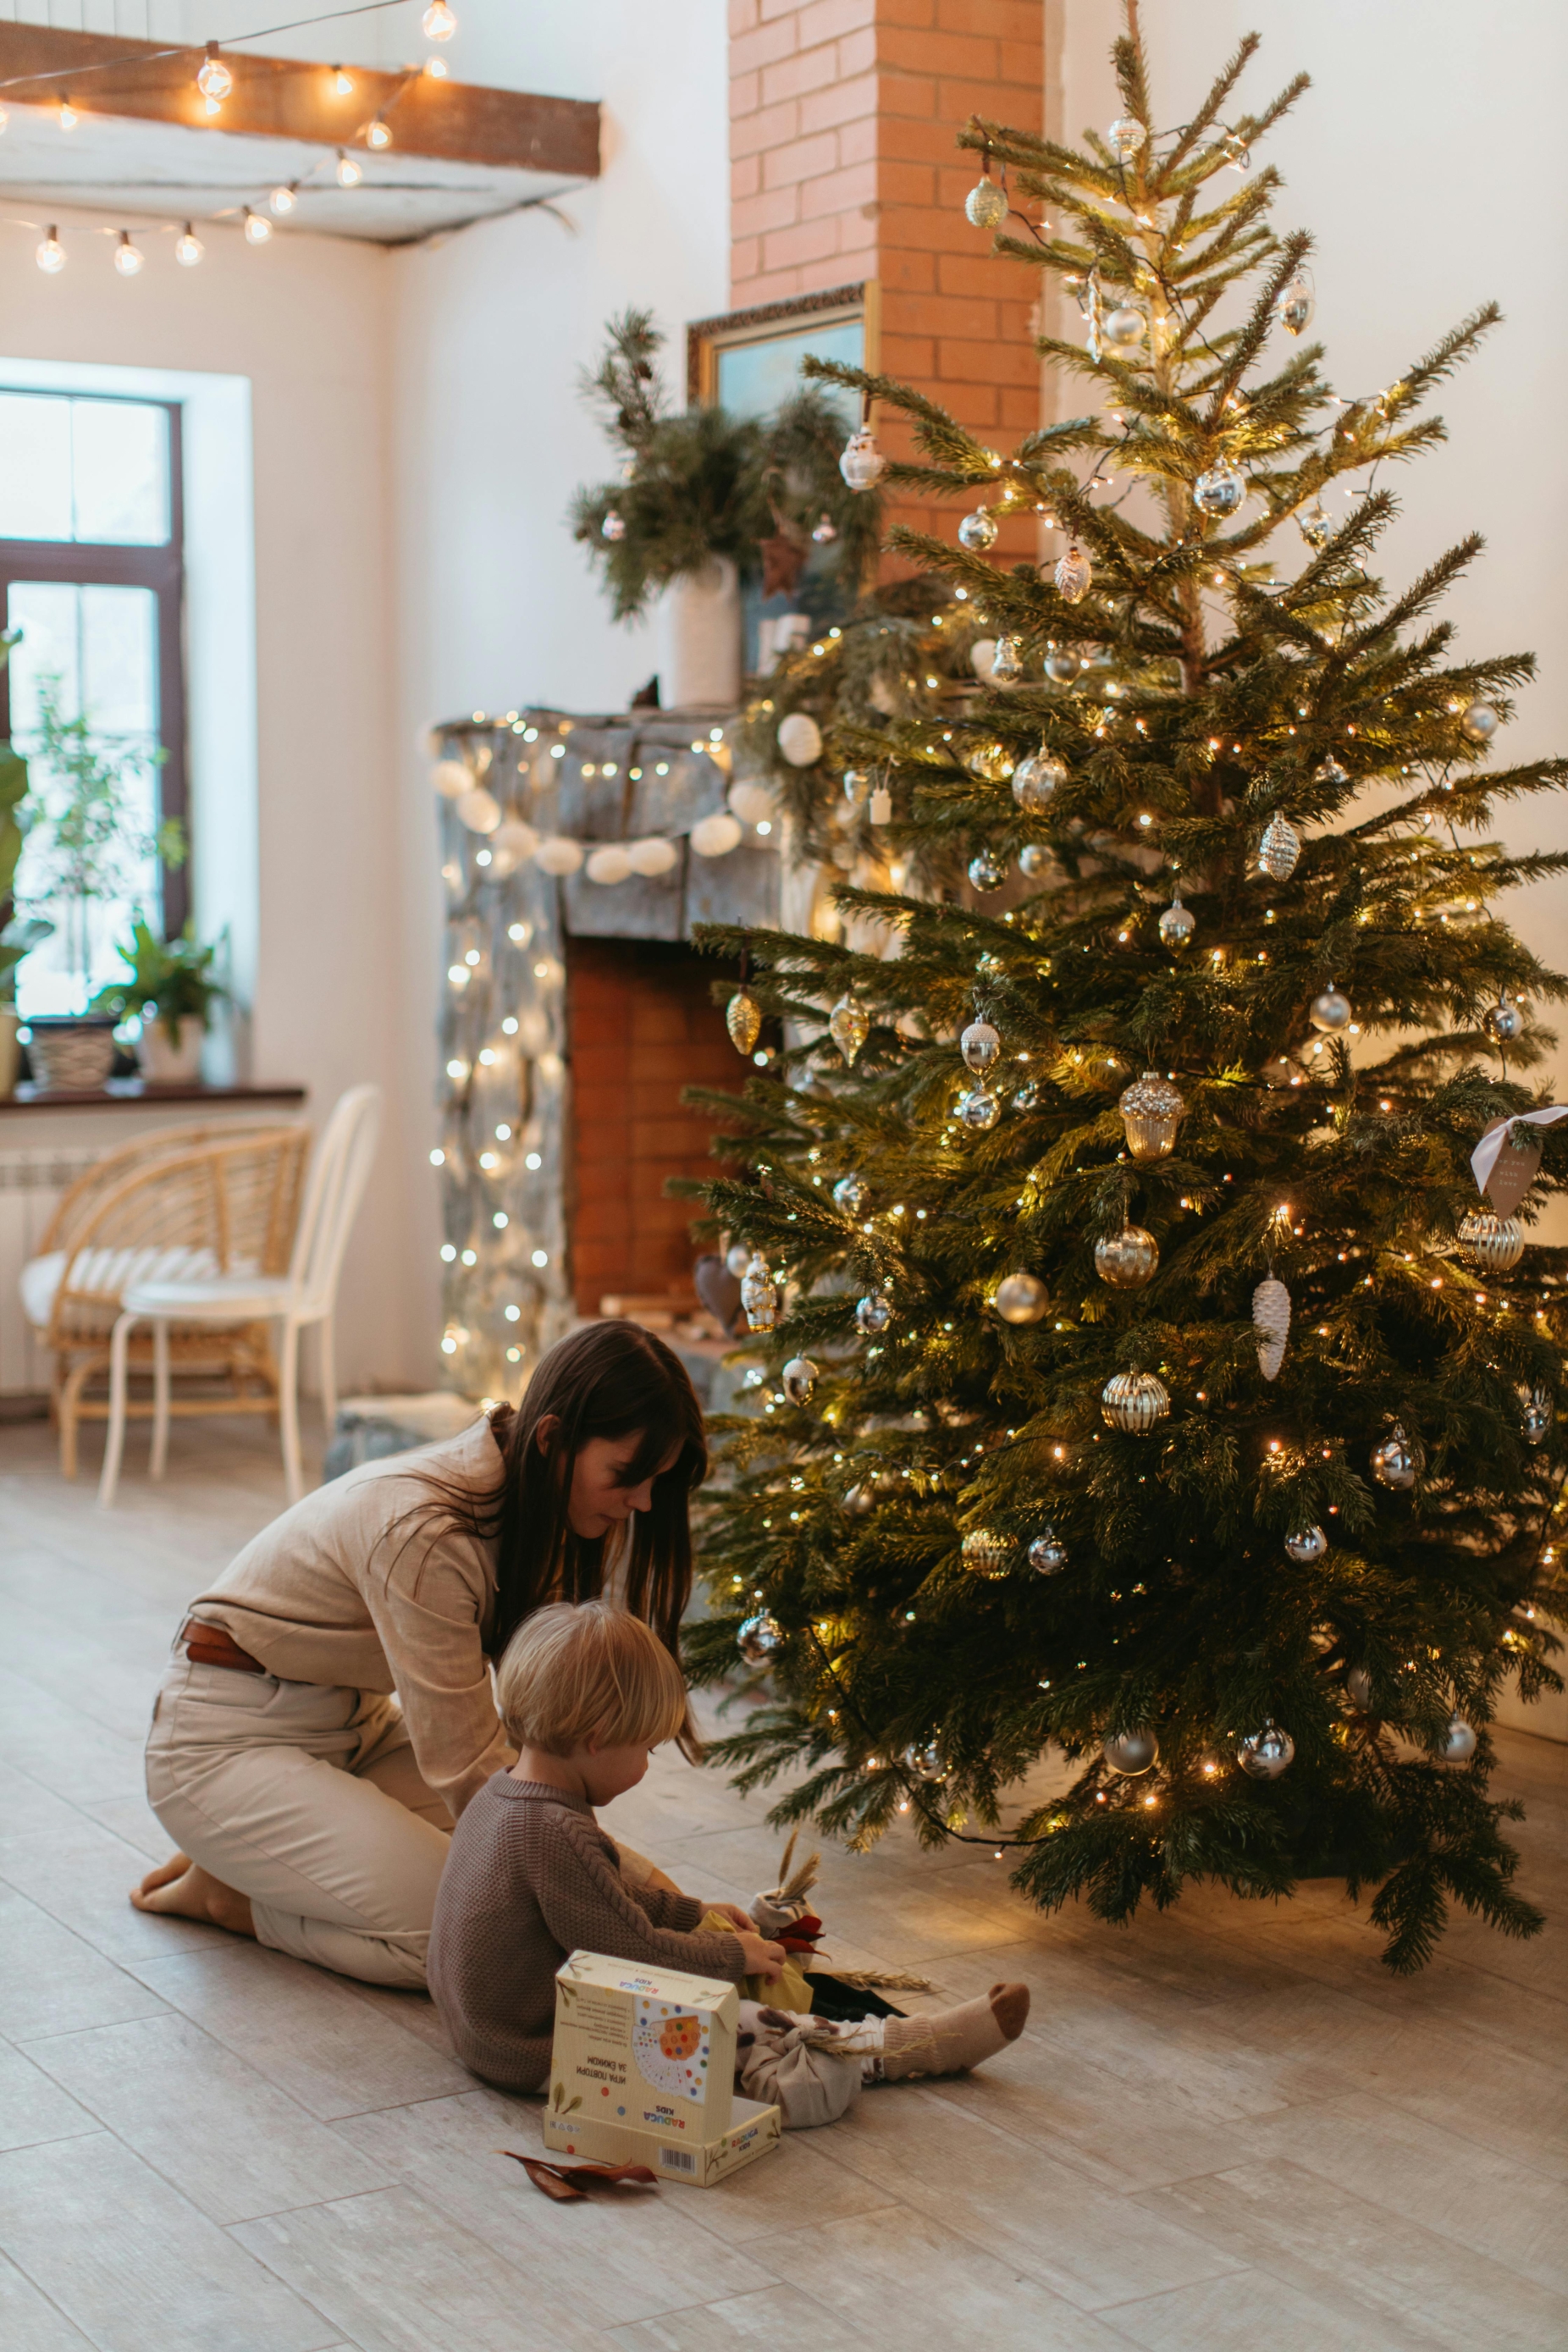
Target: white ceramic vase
<point x="164" y="1064"/>
<point x="698" y="635"/>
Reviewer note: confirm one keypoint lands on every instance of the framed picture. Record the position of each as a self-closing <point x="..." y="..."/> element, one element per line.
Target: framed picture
<point x="749" y="361"/>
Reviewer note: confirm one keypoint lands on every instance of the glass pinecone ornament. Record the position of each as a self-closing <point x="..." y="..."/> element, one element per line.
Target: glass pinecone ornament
<point x="1220" y="491"/>
<point x="743" y="1020"/>
<point x="1125" y="325"/>
<point x="1295" y="306"/>
<point x="759" y="1294"/>
<point x="1036" y="778"/>
<point x="986" y="1553"/>
<point x="1330" y="1012"/>
<point x="851" y="1193"/>
<point x="980" y="1045"/>
<point x="1316" y="525"/>
<point x="1177" y="924"/>
<point x="1021" y="1298"/>
<point x="1479" y="723"/>
<point x="986" y="204"/>
<point x="872" y="1313"/>
<point x="862" y="464"/>
<point x="1494" y="1244"/>
<point x="614" y="526"/>
<point x="1133" y="1402"/>
<point x="848" y="1026"/>
<point x="1503" y="1022"/>
<point x="977" y="531"/>
<point x="1006" y="662"/>
<point x="1047" y="1553"/>
<point x="1459" y="1741"/>
<point x="1151" y="1111"/>
<point x="1308" y="1545"/>
<point x="1127" y="1260"/>
<point x="1266" y="1754"/>
<point x="799" y="1380"/>
<point x="1279" y="848"/>
<point x="1271" y="1322"/>
<point x="979" y="1110"/>
<point x="1394" y="1461"/>
<point x="1131" y="1752"/>
<point x="985" y="872"/>
<point x="1073" y="574"/>
<point x="924" y="1762"/>
<point x="1126" y="137"/>
<point x="759" y="1638"/>
<point x="1537" y="1413"/>
<point x="1062" y="666"/>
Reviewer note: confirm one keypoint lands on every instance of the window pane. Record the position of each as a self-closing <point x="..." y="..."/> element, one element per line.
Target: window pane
<point x="35" y="467"/>
<point x="120" y="472"/>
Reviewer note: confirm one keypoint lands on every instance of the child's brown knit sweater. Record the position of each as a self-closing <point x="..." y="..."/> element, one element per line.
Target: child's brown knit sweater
<point x="530" y="1877"/>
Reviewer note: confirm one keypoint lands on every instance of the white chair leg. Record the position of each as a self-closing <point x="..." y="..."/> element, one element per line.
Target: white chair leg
<point x="289" y="1408"/>
<point x="328" y="1360"/>
<point x="159" y="1460"/>
<point x="114" y="1435"/>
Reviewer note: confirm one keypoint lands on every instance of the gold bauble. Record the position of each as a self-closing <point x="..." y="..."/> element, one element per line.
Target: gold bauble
<point x="1127" y="1260"/>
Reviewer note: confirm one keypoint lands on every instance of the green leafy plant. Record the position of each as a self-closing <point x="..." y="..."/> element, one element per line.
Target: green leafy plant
<point x="19" y="934"/>
<point x="171" y="978"/>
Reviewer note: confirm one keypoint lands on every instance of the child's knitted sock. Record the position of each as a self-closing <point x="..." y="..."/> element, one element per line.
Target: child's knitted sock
<point x="949" y="2040"/>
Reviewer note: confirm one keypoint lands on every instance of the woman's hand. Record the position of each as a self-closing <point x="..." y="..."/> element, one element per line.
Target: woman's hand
<point x="742" y="1920"/>
<point x="761" y="1960"/>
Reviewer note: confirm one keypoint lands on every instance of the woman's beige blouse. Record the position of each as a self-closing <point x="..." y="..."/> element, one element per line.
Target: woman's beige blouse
<point x="360" y="1585"/>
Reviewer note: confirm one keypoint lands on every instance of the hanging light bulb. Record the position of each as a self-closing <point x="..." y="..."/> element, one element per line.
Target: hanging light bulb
<point x="437" y="24"/>
<point x="349" y="171"/>
<point x="281" y="201"/>
<point x="258" y="227"/>
<point x="188" y="248"/>
<point x="436" y="67"/>
<point x="128" y="257"/>
<point x="68" y="116"/>
<point x="51" y="254"/>
<point x="214" y="80"/>
<point x="342" y="83"/>
<point x="379" y="134"/>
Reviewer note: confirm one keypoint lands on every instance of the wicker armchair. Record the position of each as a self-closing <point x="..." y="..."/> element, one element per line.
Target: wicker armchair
<point x="183" y="1201"/>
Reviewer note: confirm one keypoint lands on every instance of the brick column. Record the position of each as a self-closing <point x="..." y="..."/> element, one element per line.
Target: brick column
<point x="842" y="118"/>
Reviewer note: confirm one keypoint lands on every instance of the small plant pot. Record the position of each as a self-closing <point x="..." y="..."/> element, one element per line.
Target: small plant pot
<point x="10" y="1052"/>
<point x="164" y="1064"/>
<point x="71" y="1052"/>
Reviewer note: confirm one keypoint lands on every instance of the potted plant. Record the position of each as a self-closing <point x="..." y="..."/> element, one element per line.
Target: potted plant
<point x="85" y="841"/>
<point x="172" y="984"/>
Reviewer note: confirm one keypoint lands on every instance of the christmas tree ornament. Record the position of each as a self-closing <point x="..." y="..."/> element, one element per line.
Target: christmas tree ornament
<point x="1271" y="1322"/>
<point x="799" y="1378"/>
<point x="1072" y="575"/>
<point x="1494" y="1244"/>
<point x="1127" y="1260"/>
<point x="1507" y="1156"/>
<point x="1125" y="325"/>
<point x="1459" y="1741"/>
<point x="1309" y="1544"/>
<point x="1329" y="772"/>
<point x="1266" y="1754"/>
<point x="759" y="1638"/>
<point x="856" y="783"/>
<point x="1151" y="1109"/>
<point x="738" y="1257"/>
<point x="986" y="204"/>
<point x="1027" y="1095"/>
<point x="987" y="871"/>
<point x="977" y="531"/>
<point x="862" y="464"/>
<point x="743" y="1020"/>
<point x="1358" y="1683"/>
<point x="987" y="1554"/>
<point x="872" y="1313"/>
<point x="1330" y="1012"/>
<point x="881" y="810"/>
<point x="1537" y="1413"/>
<point x="1036" y="779"/>
<point x="1062" y="666"/>
<point x="851" y="1193"/>
<point x="1479" y="723"/>
<point x="1177" y="924"/>
<point x="860" y="1499"/>
<point x="1021" y="1298"/>
<point x="825" y="531"/>
<point x="1279" y="848"/>
<point x="800" y="739"/>
<point x="979" y="1110"/>
<point x="1504" y="1021"/>
<point x="1094" y="314"/>
<point x="1219" y="491"/>
<point x="1294" y="305"/>
<point x="1126" y="137"/>
<point x="1315" y="525"/>
<point x="848" y="1025"/>
<point x="1006" y="662"/>
<point x="924" y="1762"/>
<point x="980" y="1045"/>
<point x="1047" y="1553"/>
<point x="1133" y="1402"/>
<point x="614" y="526"/>
<point x="1394" y="1461"/>
<point x="1035" y="858"/>
<point x="1131" y="1752"/>
<point x="759" y="1294"/>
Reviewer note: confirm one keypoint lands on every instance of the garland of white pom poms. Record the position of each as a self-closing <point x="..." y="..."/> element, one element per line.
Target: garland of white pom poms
<point x="510" y="841"/>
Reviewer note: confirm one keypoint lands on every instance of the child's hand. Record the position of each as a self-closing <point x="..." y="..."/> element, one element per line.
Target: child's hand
<point x="761" y="1959"/>
<point x="736" y="1916"/>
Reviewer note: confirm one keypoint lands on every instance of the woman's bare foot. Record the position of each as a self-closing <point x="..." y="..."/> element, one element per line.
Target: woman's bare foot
<point x="181" y="1889"/>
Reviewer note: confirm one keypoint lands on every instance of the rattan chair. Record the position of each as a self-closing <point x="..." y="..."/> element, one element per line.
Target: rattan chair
<point x="198" y="1201"/>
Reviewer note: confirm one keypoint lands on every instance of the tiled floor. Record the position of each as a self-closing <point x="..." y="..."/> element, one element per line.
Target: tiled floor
<point x="1223" y="2129"/>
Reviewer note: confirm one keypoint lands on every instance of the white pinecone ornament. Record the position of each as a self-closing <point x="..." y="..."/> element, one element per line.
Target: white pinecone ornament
<point x="1271" y="1322"/>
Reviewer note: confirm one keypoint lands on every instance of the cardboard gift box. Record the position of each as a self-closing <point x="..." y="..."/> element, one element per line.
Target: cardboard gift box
<point x="643" y="2072"/>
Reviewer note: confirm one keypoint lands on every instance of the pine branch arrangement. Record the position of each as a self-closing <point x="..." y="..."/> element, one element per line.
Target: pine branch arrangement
<point x="1018" y="1475"/>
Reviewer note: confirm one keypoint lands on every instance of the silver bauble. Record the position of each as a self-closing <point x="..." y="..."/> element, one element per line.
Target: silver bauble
<point x="1027" y="1095"/>
<point x="987" y="1553"/>
<point x="1503" y="1022"/>
<point x="924" y="1762"/>
<point x="1021" y="1298"/>
<point x="1219" y="491"/>
<point x="1036" y="778"/>
<point x="1537" y="1413"/>
<point x="759" y="1294"/>
<point x="1330" y="1012"/>
<point x="1177" y="925"/>
<point x="979" y="1110"/>
<point x="985" y="872"/>
<point x="1133" y="1402"/>
<point x="1127" y="1260"/>
<point x="1479" y="723"/>
<point x="1035" y="858"/>
<point x="761" y="1637"/>
<point x="1271" y="1322"/>
<point x="1061" y="666"/>
<point x="851" y="1193"/>
<point x="1494" y="1244"/>
<point x="1310" y="1544"/>
<point x="873" y="1313"/>
<point x="1152" y="1109"/>
<point x="1279" y="848"/>
<point x="1126" y="137"/>
<point x="799" y="1378"/>
<point x="986" y="204"/>
<point x="1073" y="574"/>
<point x="1329" y="772"/>
<point x="1295" y="306"/>
<point x="1315" y="524"/>
<point x="979" y="1045"/>
<point x="1131" y="1752"/>
<point x="1266" y="1753"/>
<point x="1125" y="325"/>
<point x="857" y="784"/>
<point x="1006" y="662"/>
<point x="862" y="464"/>
<point x="977" y="531"/>
<point x="1047" y="1553"/>
<point x="860" y="1498"/>
<point x="1394" y="1461"/>
<point x="1459" y="1741"/>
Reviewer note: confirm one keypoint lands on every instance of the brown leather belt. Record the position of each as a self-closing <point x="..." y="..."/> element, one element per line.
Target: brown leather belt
<point x="209" y="1645"/>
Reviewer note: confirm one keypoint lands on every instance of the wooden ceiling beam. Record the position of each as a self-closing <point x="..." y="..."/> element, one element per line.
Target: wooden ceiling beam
<point x="287" y="98"/>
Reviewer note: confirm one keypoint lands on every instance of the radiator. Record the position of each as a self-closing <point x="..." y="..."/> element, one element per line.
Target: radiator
<point x="31" y="1181"/>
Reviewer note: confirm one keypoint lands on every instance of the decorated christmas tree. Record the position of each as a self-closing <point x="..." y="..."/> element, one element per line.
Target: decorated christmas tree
<point x="1146" y="1380"/>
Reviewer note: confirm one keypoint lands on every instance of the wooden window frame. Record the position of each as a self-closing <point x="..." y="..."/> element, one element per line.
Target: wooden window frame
<point x="705" y="338"/>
